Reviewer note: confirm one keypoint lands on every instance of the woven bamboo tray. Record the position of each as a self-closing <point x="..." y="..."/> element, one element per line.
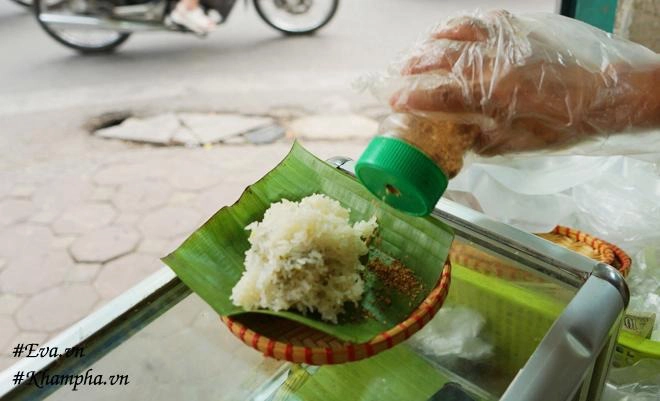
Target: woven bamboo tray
<point x="619" y="258"/>
<point x="569" y="238"/>
<point x="287" y="340"/>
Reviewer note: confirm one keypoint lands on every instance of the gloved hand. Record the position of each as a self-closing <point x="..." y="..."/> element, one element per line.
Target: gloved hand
<point x="530" y="82"/>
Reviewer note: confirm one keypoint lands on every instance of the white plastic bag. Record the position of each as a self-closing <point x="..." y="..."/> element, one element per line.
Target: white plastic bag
<point x="615" y="198"/>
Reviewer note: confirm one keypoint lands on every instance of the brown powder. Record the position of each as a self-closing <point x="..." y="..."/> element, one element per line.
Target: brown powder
<point x="395" y="276"/>
<point x="445" y="142"/>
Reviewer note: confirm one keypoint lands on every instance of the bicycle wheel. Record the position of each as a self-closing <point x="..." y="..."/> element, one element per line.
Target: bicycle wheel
<point x="24" y="3"/>
<point x="84" y="40"/>
<point x="296" y="17"/>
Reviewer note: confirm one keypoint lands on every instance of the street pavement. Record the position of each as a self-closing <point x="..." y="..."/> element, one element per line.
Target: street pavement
<point x="83" y="218"/>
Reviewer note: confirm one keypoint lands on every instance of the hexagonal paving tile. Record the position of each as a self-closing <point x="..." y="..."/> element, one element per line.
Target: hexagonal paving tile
<point x="61" y="194"/>
<point x="82" y="273"/>
<point x="44" y="217"/>
<point x="182" y="197"/>
<point x="128" y="219"/>
<point x="8" y="330"/>
<point x="22" y="191"/>
<point x="123" y="273"/>
<point x="169" y="222"/>
<point x="9" y="303"/>
<point x="56" y="308"/>
<point x="62" y="241"/>
<point x="34" y="272"/>
<point x="155" y="246"/>
<point x="29" y="337"/>
<point x="6" y="185"/>
<point x="15" y="210"/>
<point x="211" y="200"/>
<point x="137" y="196"/>
<point x="194" y="176"/>
<point x="80" y="219"/>
<point x="24" y="238"/>
<point x="136" y="168"/>
<point x="102" y="193"/>
<point x="104" y="244"/>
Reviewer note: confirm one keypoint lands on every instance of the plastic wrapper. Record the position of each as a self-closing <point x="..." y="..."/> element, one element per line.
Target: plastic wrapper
<point x="644" y="283"/>
<point x="454" y="331"/>
<point x="615" y="198"/>
<point x="528" y="82"/>
<point x="640" y="382"/>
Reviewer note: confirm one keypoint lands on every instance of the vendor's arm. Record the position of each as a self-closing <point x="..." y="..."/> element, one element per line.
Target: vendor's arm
<point x="527" y="85"/>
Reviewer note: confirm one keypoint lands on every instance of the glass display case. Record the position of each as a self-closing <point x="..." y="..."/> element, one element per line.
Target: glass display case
<point x="550" y="318"/>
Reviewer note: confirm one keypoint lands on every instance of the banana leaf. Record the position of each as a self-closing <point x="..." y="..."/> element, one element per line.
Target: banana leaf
<point x="399" y="374"/>
<point x="394" y="375"/>
<point x="210" y="261"/>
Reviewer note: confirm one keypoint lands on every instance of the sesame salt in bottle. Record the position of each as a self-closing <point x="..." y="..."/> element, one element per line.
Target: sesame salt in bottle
<point x="408" y="166"/>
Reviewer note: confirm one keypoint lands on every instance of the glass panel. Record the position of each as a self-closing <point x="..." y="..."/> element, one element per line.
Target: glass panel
<point x="494" y="302"/>
<point x="502" y="310"/>
<point x="186" y="354"/>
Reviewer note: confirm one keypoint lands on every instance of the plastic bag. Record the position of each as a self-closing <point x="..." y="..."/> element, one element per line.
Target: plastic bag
<point x="644" y="284"/>
<point x="615" y="198"/>
<point x="530" y="82"/>
<point x="640" y="382"/>
<point x="454" y="331"/>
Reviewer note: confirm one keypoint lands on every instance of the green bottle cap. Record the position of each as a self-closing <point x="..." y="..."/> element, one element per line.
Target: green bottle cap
<point x="401" y="175"/>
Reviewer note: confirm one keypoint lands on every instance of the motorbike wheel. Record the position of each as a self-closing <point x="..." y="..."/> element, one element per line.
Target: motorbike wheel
<point x="296" y="17"/>
<point x="24" y="3"/>
<point x="84" y="40"/>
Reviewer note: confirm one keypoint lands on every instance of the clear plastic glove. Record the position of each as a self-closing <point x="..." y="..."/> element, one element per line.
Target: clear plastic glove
<point x="530" y="82"/>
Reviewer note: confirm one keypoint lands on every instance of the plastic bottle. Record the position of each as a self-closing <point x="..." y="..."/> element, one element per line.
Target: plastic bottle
<point x="409" y="164"/>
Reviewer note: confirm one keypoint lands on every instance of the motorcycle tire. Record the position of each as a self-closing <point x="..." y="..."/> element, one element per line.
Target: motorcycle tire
<point x="24" y="3"/>
<point x="82" y="48"/>
<point x="331" y="13"/>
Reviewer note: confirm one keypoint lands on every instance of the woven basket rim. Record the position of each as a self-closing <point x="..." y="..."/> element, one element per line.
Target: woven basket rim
<point x="597" y="244"/>
<point x="348" y="352"/>
<point x="619" y="255"/>
<point x="612" y="255"/>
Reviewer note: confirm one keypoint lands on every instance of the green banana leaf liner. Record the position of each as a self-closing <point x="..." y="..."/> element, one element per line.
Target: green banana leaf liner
<point x="396" y="375"/>
<point x="210" y="261"/>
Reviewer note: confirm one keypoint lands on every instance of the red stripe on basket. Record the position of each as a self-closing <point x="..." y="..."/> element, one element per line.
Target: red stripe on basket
<point x="241" y="333"/>
<point x="418" y="321"/>
<point x="230" y="324"/>
<point x="288" y="352"/>
<point x="329" y="356"/>
<point x="351" y="352"/>
<point x="370" y="349"/>
<point x="428" y="306"/>
<point x="270" y="347"/>
<point x="388" y="340"/>
<point x="255" y="340"/>
<point x="308" y="355"/>
<point x="404" y="329"/>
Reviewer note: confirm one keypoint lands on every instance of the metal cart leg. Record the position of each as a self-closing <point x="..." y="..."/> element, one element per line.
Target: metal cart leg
<point x="573" y="358"/>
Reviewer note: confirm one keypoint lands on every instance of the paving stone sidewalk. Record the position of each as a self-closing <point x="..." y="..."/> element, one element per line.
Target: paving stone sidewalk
<point x="76" y="233"/>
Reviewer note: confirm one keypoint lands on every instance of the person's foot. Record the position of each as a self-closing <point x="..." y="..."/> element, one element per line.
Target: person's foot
<point x="194" y="19"/>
